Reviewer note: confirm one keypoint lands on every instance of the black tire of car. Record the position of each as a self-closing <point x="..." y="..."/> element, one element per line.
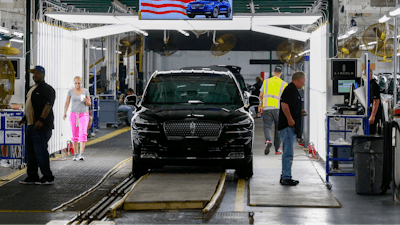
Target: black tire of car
<point x="215" y="13"/>
<point x="127" y="122"/>
<point x="138" y="171"/>
<point x="228" y="14"/>
<point x="191" y="16"/>
<point x="245" y="171"/>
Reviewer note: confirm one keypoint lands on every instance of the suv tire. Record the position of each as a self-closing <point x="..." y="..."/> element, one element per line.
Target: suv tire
<point x="245" y="171"/>
<point x="138" y="171"/>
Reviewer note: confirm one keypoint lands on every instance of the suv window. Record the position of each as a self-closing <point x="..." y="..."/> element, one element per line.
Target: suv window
<point x="181" y="88"/>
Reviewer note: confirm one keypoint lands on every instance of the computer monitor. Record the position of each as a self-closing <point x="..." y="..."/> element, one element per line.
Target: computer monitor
<point x="343" y="86"/>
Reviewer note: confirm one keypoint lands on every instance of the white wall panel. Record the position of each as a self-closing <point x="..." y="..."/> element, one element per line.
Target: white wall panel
<point x="61" y="54"/>
<point x="318" y="76"/>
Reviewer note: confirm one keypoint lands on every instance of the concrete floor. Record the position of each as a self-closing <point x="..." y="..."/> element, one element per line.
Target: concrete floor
<point x="355" y="209"/>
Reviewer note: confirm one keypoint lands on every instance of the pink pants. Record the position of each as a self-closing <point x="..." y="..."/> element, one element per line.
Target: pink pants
<point x="79" y="133"/>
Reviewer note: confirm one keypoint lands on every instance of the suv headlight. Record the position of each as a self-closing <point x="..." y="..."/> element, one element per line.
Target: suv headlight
<point x="139" y="122"/>
<point x="241" y="121"/>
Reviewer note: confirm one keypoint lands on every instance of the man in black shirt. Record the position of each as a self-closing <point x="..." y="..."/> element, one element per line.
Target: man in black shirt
<point x="40" y="123"/>
<point x="289" y="125"/>
<point x="375" y="104"/>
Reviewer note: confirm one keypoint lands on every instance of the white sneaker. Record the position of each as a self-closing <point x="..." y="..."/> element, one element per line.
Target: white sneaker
<point x="76" y="157"/>
<point x="81" y="157"/>
<point x="5" y="163"/>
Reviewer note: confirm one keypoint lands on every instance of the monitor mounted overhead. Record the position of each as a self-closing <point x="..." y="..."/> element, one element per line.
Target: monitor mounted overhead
<point x="185" y="9"/>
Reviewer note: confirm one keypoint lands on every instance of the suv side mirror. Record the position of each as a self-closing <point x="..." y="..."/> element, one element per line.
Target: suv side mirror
<point x="254" y="100"/>
<point x="131" y="100"/>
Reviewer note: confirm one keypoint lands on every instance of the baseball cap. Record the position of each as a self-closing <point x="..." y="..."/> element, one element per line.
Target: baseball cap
<point x="38" y="68"/>
<point x="278" y="69"/>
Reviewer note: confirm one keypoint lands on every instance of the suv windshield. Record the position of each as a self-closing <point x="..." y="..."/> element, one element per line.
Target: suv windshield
<point x="184" y="88"/>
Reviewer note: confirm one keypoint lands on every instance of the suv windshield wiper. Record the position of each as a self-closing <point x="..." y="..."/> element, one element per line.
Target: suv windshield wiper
<point x="195" y="102"/>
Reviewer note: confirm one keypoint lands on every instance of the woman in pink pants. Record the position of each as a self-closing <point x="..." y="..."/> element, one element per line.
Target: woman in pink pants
<point x="79" y="98"/>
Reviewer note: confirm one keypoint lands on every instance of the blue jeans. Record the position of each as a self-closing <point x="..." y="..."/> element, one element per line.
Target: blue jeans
<point x="288" y="137"/>
<point x="127" y="108"/>
<point x="36" y="152"/>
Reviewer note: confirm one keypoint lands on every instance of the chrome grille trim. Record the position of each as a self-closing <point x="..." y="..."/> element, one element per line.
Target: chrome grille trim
<point x="192" y="129"/>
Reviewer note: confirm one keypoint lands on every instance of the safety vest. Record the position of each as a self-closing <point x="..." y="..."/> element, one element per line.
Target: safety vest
<point x="273" y="88"/>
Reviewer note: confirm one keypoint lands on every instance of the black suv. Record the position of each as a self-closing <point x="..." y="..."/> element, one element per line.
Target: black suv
<point x="193" y="117"/>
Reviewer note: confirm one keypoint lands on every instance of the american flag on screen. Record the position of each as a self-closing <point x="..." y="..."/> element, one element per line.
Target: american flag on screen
<point x="163" y="7"/>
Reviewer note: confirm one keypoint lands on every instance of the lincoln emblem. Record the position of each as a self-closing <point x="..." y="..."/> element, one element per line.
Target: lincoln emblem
<point x="192" y="128"/>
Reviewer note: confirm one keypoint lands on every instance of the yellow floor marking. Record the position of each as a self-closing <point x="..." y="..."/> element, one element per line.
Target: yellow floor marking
<point x="6" y="179"/>
<point x="239" y="204"/>
<point x="25" y="211"/>
<point x="108" y="136"/>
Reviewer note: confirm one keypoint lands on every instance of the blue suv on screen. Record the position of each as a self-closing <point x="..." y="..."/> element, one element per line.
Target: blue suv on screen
<point x="212" y="8"/>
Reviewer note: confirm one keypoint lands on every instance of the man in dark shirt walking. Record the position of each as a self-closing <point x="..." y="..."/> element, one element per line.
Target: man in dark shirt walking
<point x="289" y="125"/>
<point x="40" y="123"/>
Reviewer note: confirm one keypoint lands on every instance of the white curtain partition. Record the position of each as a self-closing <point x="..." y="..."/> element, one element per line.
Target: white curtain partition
<point x="61" y="54"/>
<point x="318" y="76"/>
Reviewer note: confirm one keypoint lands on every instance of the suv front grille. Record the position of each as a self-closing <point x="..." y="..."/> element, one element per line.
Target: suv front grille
<point x="193" y="129"/>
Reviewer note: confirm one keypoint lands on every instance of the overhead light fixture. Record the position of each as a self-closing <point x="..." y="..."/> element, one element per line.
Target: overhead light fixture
<point x="344" y="36"/>
<point x="373" y="43"/>
<point x="98" y="48"/>
<point x="4" y="30"/>
<point x="92" y="47"/>
<point x="119" y="52"/>
<point x="352" y="30"/>
<point x="17" y="40"/>
<point x="384" y="18"/>
<point x="305" y="52"/>
<point x="184" y="33"/>
<point x="142" y="32"/>
<point x="395" y="12"/>
<point x="18" y="33"/>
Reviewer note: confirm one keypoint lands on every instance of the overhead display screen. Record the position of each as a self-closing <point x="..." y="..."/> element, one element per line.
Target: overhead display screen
<point x="185" y="9"/>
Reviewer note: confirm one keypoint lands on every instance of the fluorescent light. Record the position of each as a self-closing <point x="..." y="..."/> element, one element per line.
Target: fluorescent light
<point x="384" y="18"/>
<point x="282" y="32"/>
<point x="373" y="43"/>
<point x="98" y="48"/>
<point x="344" y="36"/>
<point x="352" y="30"/>
<point x="17" y="40"/>
<point x="18" y="33"/>
<point x="118" y="52"/>
<point x="395" y="12"/>
<point x="92" y="47"/>
<point x="140" y="31"/>
<point x="184" y="33"/>
<point x="305" y="52"/>
<point x="4" y="30"/>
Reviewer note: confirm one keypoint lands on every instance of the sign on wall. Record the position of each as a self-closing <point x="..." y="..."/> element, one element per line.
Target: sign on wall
<point x="185" y="9"/>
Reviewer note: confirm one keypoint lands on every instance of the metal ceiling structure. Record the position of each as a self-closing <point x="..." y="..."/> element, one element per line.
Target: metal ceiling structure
<point x="239" y="6"/>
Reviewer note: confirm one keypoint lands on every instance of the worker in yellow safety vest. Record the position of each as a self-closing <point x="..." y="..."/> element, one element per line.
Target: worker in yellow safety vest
<point x="270" y="95"/>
